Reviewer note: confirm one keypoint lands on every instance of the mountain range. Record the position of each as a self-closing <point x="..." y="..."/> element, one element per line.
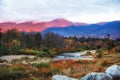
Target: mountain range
<point x="67" y="28"/>
<point x="38" y="26"/>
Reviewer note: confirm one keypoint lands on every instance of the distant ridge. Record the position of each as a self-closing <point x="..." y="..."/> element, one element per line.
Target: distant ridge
<point x="67" y="28"/>
<point x="92" y="30"/>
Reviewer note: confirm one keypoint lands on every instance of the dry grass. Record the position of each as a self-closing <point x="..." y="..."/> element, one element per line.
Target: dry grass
<point x="72" y="68"/>
<point x="78" y="68"/>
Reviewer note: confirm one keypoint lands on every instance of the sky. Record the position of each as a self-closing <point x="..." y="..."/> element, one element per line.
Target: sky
<point x="88" y="11"/>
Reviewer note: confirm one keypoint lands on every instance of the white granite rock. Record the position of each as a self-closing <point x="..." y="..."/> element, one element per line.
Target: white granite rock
<point x="97" y="76"/>
<point x="114" y="71"/>
<point x="61" y="77"/>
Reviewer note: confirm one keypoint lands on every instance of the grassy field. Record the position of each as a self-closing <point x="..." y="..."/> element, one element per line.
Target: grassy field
<point x="44" y="68"/>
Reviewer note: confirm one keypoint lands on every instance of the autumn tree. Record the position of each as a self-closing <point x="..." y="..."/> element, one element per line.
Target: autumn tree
<point x="3" y="49"/>
<point x="38" y="40"/>
<point x="52" y="40"/>
<point x="11" y="35"/>
<point x="110" y="42"/>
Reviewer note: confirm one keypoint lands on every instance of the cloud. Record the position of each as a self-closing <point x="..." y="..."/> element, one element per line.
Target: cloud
<point x="74" y="10"/>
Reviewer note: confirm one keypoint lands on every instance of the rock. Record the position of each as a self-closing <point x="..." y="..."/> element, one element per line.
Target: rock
<point x="97" y="76"/>
<point x="114" y="71"/>
<point x="60" y="77"/>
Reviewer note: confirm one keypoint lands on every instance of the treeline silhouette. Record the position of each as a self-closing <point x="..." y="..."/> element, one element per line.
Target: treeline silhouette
<point x="15" y="42"/>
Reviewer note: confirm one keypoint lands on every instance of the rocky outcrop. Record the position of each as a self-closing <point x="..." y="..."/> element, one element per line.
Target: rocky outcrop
<point x="97" y="76"/>
<point x="60" y="77"/>
<point x="114" y="71"/>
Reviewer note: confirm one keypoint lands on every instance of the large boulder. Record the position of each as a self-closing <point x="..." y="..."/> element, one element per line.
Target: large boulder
<point x="114" y="71"/>
<point x="97" y="76"/>
<point x="60" y="77"/>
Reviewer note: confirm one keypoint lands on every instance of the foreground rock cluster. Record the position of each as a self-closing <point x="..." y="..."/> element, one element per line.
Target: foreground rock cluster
<point x="111" y="73"/>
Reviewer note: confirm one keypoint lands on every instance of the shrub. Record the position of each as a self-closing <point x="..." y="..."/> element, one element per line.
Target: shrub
<point x="14" y="61"/>
<point x="17" y="74"/>
<point x="104" y="62"/>
<point x="29" y="51"/>
<point x="88" y="53"/>
<point x="99" y="53"/>
<point x="42" y="65"/>
<point x="52" y="53"/>
<point x="2" y="61"/>
<point x="117" y="49"/>
<point x="18" y="68"/>
<point x="7" y="74"/>
<point x="14" y="75"/>
<point x="55" y="71"/>
<point x="25" y="58"/>
<point x="3" y="49"/>
<point x="42" y="54"/>
<point x="14" y="50"/>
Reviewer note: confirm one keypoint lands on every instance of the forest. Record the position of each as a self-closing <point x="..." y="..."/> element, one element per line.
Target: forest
<point x="50" y="44"/>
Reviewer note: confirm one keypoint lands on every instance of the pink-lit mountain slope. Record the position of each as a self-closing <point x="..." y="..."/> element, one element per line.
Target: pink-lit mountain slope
<point x="38" y="26"/>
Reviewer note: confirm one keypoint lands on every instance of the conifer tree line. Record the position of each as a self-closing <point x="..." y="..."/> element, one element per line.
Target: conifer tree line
<point x="15" y="42"/>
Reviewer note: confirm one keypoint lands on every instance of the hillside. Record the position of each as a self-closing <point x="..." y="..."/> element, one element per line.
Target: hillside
<point x="92" y="30"/>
